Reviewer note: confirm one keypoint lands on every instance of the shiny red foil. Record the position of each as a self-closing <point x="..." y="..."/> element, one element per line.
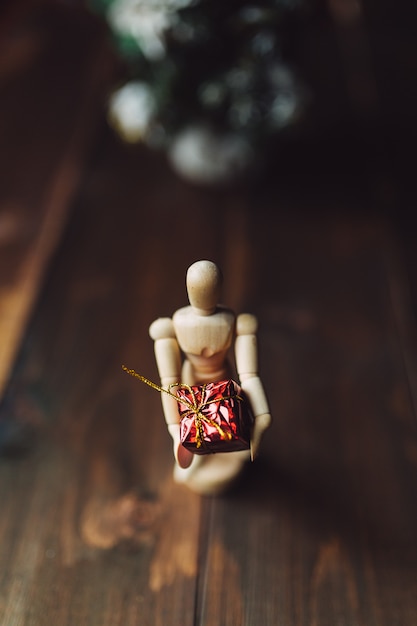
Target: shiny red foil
<point x="220" y="421"/>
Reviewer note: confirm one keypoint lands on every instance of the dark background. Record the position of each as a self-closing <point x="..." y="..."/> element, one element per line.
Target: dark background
<point x="95" y="239"/>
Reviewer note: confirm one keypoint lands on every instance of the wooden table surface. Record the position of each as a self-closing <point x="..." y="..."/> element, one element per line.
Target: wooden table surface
<point x="95" y="239"/>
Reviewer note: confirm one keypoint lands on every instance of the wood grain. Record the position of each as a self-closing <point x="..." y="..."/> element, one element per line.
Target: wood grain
<point x="323" y="531"/>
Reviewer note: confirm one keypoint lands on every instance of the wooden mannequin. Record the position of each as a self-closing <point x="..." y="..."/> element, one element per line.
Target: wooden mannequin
<point x="204" y="332"/>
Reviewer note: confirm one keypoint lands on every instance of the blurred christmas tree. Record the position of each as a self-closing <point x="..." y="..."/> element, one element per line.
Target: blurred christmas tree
<point x="207" y="79"/>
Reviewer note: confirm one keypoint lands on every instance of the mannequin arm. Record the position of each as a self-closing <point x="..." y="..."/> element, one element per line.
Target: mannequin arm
<point x="168" y="360"/>
<point x="246" y="353"/>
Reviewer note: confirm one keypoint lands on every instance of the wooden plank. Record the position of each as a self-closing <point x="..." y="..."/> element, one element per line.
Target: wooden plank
<point x="323" y="528"/>
<point x="49" y="109"/>
<point x="116" y="540"/>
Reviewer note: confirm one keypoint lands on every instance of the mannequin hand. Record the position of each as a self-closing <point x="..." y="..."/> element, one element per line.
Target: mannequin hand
<point x="182" y="456"/>
<point x="262" y="422"/>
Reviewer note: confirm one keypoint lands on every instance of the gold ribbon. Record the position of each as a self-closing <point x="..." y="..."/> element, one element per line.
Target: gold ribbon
<point x="194" y="408"/>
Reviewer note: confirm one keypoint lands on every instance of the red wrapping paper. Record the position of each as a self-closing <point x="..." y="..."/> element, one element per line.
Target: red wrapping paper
<point x="215" y="417"/>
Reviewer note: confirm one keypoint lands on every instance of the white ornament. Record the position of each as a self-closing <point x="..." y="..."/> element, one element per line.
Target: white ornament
<point x="131" y="109"/>
<point x="200" y="155"/>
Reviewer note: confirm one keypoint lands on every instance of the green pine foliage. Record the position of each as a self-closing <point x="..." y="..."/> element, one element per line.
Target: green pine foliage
<point x="226" y="64"/>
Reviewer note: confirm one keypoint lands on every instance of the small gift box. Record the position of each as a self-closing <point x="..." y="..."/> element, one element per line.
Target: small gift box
<point x="215" y="417"/>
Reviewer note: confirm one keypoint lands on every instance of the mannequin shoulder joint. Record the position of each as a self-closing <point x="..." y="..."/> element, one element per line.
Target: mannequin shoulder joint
<point x="162" y="328"/>
<point x="246" y="324"/>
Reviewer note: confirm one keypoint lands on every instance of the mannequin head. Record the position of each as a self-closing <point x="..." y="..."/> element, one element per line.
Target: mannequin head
<point x="204" y="281"/>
